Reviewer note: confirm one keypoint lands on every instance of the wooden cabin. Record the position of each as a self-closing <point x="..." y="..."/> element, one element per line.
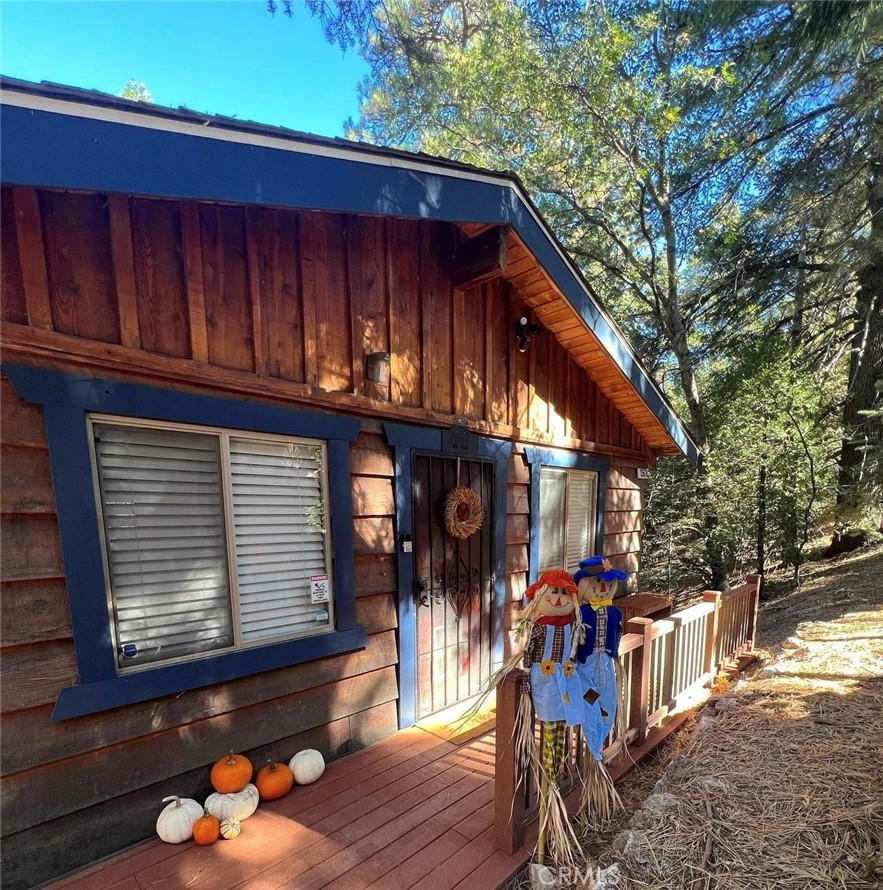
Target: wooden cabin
<point x="243" y="368"/>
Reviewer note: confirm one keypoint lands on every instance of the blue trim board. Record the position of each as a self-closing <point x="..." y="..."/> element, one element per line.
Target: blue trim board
<point x="115" y="692"/>
<point x="54" y="150"/>
<point x="406" y="440"/>
<point x="537" y="458"/>
<point x="66" y="400"/>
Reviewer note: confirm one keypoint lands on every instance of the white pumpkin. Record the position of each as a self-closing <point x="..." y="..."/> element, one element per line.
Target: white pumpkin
<point x="230" y="828"/>
<point x="176" y="821"/>
<point x="307" y="766"/>
<point x="239" y="805"/>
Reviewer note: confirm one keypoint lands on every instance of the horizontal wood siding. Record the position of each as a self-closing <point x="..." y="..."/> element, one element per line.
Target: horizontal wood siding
<point x="75" y="778"/>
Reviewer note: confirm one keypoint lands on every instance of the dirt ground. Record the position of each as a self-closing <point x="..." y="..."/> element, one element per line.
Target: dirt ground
<point x="777" y="783"/>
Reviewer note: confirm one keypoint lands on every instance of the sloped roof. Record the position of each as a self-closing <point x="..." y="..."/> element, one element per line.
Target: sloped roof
<point x="62" y="137"/>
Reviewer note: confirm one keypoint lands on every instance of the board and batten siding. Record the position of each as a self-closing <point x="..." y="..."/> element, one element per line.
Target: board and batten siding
<point x="264" y="304"/>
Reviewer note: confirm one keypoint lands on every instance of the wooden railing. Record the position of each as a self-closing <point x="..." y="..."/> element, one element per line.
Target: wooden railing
<point x="666" y="665"/>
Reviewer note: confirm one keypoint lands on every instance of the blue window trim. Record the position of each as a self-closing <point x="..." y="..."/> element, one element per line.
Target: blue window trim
<point x="405" y="441"/>
<point x="66" y="401"/>
<point x="537" y="458"/>
<point x="55" y="150"/>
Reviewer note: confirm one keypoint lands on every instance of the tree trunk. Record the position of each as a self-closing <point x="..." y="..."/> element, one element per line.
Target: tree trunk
<point x="865" y="368"/>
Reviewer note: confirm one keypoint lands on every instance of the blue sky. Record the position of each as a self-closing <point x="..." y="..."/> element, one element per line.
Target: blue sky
<point x="222" y="57"/>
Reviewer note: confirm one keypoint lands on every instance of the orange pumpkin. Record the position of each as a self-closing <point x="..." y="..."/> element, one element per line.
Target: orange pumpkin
<point x="231" y="773"/>
<point x="274" y="780"/>
<point x="206" y="830"/>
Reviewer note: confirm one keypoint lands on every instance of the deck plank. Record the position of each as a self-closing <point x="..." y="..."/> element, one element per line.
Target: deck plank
<point x="409" y="810"/>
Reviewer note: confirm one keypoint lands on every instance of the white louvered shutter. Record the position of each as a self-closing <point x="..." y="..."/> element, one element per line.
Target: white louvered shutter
<point x="582" y="496"/>
<point x="280" y="540"/>
<point x="165" y="543"/>
<point x="553" y="490"/>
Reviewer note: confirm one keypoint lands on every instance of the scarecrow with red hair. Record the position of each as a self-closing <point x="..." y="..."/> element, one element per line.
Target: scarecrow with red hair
<point x="552" y="689"/>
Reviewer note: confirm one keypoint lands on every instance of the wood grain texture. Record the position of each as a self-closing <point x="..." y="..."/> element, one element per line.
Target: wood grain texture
<point x="33" y="612"/>
<point x="31" y="548"/>
<point x="32" y="257"/>
<point x="25" y="481"/>
<point x="124" y="269"/>
<point x="405" y="312"/>
<point x="254" y="236"/>
<point x="372" y="496"/>
<point x="32" y="740"/>
<point x="331" y="301"/>
<point x="307" y="241"/>
<point x="366" y="266"/>
<point x="161" y="283"/>
<point x="375" y="574"/>
<point x="32" y="675"/>
<point x="13" y="306"/>
<point x="438" y="311"/>
<point x="193" y="259"/>
<point x="74" y="354"/>
<point x="469" y="344"/>
<point x="80" y="269"/>
<point x="226" y="284"/>
<point x="52" y="791"/>
<point x="21" y="423"/>
<point x="279" y="270"/>
<point x="373" y="535"/>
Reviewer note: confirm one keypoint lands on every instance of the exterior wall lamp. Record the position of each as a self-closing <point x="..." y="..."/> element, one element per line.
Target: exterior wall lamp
<point x="525" y="331"/>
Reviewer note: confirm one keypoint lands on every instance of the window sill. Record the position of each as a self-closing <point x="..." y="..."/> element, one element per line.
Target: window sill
<point x="90" y="698"/>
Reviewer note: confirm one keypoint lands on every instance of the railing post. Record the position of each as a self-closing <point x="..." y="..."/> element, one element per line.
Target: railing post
<point x="711" y="627"/>
<point x="640" y="691"/>
<point x="508" y="805"/>
<point x="752" y="610"/>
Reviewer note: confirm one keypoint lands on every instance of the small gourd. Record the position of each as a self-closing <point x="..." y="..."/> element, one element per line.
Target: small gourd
<point x="175" y="823"/>
<point x="307" y="766"/>
<point x="230" y="828"/>
<point x="233" y="806"/>
<point x="274" y="780"/>
<point x="231" y="773"/>
<point x="206" y="830"/>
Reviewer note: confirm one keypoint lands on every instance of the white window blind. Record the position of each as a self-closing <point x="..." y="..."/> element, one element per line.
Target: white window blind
<point x="582" y="495"/>
<point x="211" y="538"/>
<point x="567" y="519"/>
<point x="280" y="536"/>
<point x="164" y="538"/>
<point x="553" y="501"/>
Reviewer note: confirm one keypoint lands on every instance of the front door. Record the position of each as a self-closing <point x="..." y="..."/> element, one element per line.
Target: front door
<point x="453" y="584"/>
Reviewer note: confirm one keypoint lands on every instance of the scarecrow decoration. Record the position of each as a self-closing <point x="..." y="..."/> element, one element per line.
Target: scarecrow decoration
<point x="597" y="657"/>
<point x="552" y="689"/>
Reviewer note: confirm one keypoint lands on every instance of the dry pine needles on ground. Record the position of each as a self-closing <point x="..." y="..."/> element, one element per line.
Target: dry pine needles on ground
<point x="783" y="788"/>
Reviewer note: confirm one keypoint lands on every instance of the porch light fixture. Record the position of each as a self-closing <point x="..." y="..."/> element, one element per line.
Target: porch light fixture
<point x="525" y="331"/>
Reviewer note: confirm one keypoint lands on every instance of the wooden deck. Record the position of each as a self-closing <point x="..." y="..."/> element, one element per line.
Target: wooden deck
<point x="412" y="811"/>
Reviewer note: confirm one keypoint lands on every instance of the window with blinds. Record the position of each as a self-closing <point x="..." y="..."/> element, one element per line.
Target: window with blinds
<point x="567" y="520"/>
<point x="213" y="540"/>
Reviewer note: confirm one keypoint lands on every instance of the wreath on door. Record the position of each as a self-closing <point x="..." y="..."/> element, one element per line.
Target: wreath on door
<point x="464" y="512"/>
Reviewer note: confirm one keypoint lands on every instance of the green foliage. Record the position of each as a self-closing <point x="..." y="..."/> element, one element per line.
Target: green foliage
<point x="705" y="164"/>
<point x="136" y="90"/>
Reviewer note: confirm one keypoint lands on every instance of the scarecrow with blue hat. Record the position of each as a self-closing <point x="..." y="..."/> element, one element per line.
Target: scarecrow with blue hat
<point x="597" y="658"/>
